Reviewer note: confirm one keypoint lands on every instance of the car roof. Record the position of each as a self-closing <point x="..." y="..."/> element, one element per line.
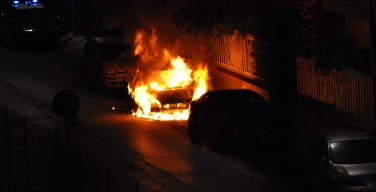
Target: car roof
<point x="223" y="91"/>
<point x="335" y="135"/>
<point x="108" y="39"/>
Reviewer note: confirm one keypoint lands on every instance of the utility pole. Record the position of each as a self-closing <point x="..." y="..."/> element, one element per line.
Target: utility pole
<point x="74" y="27"/>
<point x="372" y="56"/>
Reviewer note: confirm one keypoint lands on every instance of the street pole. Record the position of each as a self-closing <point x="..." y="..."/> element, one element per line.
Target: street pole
<point x="73" y="18"/>
<point x="372" y="58"/>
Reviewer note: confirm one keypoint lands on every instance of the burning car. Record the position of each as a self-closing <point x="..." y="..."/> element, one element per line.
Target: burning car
<point x="107" y="62"/>
<point x="164" y="88"/>
<point x="164" y="83"/>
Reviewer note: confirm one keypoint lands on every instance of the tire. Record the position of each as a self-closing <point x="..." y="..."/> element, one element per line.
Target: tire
<point x="194" y="134"/>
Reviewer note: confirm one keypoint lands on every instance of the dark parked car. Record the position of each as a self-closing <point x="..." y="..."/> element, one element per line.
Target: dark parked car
<point x="230" y="118"/>
<point x="340" y="160"/>
<point x="23" y="22"/>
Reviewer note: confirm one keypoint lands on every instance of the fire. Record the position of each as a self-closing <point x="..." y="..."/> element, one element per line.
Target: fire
<point x="164" y="92"/>
<point x="179" y="75"/>
<point x="200" y="76"/>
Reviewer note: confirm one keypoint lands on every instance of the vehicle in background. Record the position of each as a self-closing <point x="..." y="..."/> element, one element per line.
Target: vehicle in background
<point x="231" y="119"/>
<point x="107" y="62"/>
<point x="29" y="23"/>
<point x="340" y="160"/>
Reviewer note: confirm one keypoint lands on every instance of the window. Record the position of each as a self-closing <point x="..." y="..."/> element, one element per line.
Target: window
<point x="353" y="151"/>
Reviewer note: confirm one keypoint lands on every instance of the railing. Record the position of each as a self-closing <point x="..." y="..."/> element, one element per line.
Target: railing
<point x="39" y="157"/>
<point x="228" y="53"/>
<point x="346" y="91"/>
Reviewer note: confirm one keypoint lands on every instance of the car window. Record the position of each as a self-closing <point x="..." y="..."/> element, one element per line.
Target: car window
<point x="31" y="15"/>
<point x="109" y="52"/>
<point x="234" y="101"/>
<point x="353" y="151"/>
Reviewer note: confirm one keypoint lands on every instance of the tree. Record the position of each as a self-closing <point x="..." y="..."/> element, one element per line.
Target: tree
<point x="323" y="36"/>
<point x="274" y="25"/>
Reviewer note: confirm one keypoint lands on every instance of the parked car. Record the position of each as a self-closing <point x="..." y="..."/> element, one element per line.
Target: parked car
<point x="340" y="160"/>
<point x="107" y="62"/>
<point x="230" y="118"/>
<point x="24" y="22"/>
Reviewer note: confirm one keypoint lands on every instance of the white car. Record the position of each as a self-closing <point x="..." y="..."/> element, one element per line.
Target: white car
<point x="107" y="62"/>
<point x="340" y="160"/>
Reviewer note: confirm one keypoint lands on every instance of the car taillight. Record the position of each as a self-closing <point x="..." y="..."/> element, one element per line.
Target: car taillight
<point x="109" y="72"/>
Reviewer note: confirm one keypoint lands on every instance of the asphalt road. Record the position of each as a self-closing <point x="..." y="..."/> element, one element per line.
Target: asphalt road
<point x="108" y="150"/>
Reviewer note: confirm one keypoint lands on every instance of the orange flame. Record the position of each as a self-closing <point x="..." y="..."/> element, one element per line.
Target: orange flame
<point x="200" y="76"/>
<point x="179" y="81"/>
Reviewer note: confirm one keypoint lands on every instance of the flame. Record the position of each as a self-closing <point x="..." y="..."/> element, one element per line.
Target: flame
<point x="178" y="76"/>
<point x="200" y="76"/>
<point x="146" y="46"/>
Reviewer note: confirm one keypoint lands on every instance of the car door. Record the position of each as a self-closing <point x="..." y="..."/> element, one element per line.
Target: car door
<point x="209" y="117"/>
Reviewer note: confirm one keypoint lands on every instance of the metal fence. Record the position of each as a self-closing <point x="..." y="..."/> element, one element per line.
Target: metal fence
<point x="36" y="157"/>
<point x="346" y="91"/>
<point x="230" y="53"/>
<point x="22" y="154"/>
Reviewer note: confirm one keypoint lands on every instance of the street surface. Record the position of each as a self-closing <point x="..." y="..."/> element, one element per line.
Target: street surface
<point x="112" y="150"/>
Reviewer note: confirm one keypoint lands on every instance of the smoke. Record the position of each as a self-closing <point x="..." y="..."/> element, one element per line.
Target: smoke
<point x="133" y="15"/>
<point x="151" y="16"/>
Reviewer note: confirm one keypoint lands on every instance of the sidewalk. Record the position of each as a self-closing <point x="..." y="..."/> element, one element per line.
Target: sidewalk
<point x="313" y="118"/>
<point x="37" y="154"/>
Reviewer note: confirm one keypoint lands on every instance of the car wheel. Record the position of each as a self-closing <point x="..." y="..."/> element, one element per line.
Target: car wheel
<point x="194" y="134"/>
<point x="10" y="40"/>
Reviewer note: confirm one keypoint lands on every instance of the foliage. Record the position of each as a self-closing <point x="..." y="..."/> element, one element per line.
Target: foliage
<point x="322" y="36"/>
<point x="273" y="23"/>
<point x="212" y="18"/>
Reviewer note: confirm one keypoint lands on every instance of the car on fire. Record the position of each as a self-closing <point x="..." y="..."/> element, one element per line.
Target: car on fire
<point x="22" y="22"/>
<point x="340" y="160"/>
<point x="169" y="98"/>
<point x="107" y="62"/>
<point x="230" y="119"/>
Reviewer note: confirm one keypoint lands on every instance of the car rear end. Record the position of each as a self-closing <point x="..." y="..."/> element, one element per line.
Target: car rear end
<point x="115" y="76"/>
